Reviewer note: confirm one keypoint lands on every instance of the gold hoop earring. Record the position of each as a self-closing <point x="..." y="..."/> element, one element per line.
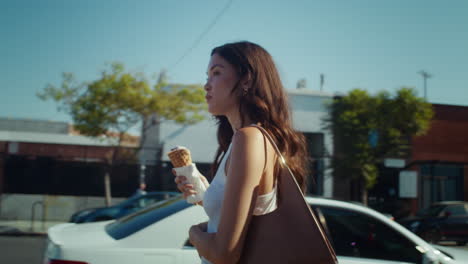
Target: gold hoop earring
<point x="245" y="90"/>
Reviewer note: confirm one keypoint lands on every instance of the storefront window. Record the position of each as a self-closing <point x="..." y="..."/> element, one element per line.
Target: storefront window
<point x="441" y="182"/>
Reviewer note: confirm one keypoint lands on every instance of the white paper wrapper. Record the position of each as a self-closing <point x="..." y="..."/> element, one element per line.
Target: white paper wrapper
<point x="193" y="177"/>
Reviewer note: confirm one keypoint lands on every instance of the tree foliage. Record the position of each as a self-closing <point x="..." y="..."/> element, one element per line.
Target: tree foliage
<point x="368" y="129"/>
<point x="119" y="100"/>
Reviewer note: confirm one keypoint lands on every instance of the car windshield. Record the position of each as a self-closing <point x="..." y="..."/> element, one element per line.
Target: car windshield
<point x="132" y="223"/>
<point x="148" y="199"/>
<point x="149" y="196"/>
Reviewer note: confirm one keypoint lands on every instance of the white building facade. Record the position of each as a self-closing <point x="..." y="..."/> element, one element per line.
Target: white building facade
<point x="309" y="110"/>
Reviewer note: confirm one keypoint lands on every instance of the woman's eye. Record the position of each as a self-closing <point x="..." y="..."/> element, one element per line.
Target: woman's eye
<point x="215" y="73"/>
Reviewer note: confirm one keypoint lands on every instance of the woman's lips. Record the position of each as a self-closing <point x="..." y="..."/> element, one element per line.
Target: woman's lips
<point x="207" y="97"/>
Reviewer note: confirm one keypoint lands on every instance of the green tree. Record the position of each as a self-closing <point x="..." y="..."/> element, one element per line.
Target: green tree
<point x="367" y="129"/>
<point x="118" y="101"/>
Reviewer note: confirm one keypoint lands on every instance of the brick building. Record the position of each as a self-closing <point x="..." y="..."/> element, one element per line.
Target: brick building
<point x="50" y="157"/>
<point x="440" y="157"/>
<point x="436" y="168"/>
<point x="54" y="139"/>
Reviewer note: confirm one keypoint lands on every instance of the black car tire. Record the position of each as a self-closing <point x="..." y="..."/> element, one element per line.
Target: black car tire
<point x="461" y="243"/>
<point x="102" y="218"/>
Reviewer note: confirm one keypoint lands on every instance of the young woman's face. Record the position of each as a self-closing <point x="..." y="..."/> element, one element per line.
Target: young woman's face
<point x="221" y="80"/>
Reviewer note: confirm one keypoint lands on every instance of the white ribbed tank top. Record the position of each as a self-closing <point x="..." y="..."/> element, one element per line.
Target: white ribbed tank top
<point x="214" y="196"/>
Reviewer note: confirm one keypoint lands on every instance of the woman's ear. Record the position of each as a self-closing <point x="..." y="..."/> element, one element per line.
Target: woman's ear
<point x="246" y="81"/>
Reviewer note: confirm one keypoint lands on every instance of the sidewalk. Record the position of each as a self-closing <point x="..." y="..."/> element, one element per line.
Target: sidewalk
<point x="24" y="228"/>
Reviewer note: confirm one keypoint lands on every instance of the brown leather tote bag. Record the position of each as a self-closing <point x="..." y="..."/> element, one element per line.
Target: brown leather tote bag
<point x="291" y="234"/>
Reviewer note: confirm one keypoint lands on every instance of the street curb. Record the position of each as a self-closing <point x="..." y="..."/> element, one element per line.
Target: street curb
<point x="22" y="234"/>
<point x="13" y="231"/>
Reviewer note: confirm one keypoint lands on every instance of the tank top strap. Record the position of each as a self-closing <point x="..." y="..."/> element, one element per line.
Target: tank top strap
<point x="222" y="165"/>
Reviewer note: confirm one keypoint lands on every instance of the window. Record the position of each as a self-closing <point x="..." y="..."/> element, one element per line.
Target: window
<point x="441" y="182"/>
<point x="132" y="223"/>
<point x="316" y="149"/>
<point x="355" y="234"/>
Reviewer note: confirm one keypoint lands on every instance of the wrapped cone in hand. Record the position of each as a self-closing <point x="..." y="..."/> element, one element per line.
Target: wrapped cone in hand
<point x="180" y="157"/>
<point x="183" y="166"/>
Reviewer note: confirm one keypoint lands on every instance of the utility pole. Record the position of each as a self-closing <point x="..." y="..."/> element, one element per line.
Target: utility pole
<point x="425" y="76"/>
<point x="322" y="81"/>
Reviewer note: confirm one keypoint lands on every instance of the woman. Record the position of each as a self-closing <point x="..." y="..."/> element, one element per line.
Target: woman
<point x="243" y="88"/>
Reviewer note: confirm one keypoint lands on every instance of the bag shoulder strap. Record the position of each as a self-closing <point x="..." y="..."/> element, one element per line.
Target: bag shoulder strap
<point x="278" y="152"/>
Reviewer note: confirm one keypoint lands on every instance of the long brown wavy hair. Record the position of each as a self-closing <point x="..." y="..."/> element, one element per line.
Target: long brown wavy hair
<point x="264" y="102"/>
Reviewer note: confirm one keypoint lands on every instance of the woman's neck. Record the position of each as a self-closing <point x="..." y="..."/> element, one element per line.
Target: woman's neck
<point x="236" y="122"/>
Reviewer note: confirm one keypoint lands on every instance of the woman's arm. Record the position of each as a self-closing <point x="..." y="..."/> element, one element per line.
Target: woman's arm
<point x="245" y="170"/>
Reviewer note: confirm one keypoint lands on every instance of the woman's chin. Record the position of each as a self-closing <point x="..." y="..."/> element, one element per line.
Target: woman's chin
<point x="213" y="111"/>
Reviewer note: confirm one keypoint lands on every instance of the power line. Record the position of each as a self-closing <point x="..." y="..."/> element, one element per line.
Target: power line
<point x="197" y="41"/>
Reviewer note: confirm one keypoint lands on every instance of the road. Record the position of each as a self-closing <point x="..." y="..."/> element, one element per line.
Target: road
<point x="22" y="249"/>
<point x="29" y="250"/>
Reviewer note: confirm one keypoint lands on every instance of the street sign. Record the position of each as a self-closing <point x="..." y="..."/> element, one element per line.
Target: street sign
<point x="373" y="138"/>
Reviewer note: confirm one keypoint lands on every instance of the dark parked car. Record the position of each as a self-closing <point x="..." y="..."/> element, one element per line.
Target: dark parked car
<point x="126" y="207"/>
<point x="442" y="221"/>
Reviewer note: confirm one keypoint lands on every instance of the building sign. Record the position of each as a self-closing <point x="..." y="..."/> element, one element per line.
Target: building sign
<point x="394" y="163"/>
<point x="408" y="186"/>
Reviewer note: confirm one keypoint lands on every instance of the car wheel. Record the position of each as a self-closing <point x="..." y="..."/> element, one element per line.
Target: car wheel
<point x="103" y="218"/>
<point x="432" y="236"/>
<point x="461" y="243"/>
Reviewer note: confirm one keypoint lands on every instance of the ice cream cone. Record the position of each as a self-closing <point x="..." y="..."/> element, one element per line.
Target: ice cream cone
<point x="180" y="157"/>
<point x="183" y="166"/>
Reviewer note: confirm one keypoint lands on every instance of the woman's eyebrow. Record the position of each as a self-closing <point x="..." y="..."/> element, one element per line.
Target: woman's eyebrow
<point x="214" y="66"/>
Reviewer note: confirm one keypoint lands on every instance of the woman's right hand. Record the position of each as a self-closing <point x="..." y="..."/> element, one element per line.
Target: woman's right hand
<point x="186" y="188"/>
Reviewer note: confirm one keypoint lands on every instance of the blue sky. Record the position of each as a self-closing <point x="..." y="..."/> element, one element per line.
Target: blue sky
<point x="369" y="44"/>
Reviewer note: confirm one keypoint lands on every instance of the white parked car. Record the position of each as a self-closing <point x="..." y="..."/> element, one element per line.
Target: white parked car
<point x="159" y="234"/>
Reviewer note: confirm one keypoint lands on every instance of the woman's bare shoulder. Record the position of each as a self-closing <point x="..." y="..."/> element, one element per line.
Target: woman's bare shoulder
<point x="250" y="140"/>
<point x="250" y="134"/>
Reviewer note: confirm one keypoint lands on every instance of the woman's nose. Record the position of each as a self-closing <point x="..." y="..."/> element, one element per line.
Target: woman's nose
<point x="207" y="86"/>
